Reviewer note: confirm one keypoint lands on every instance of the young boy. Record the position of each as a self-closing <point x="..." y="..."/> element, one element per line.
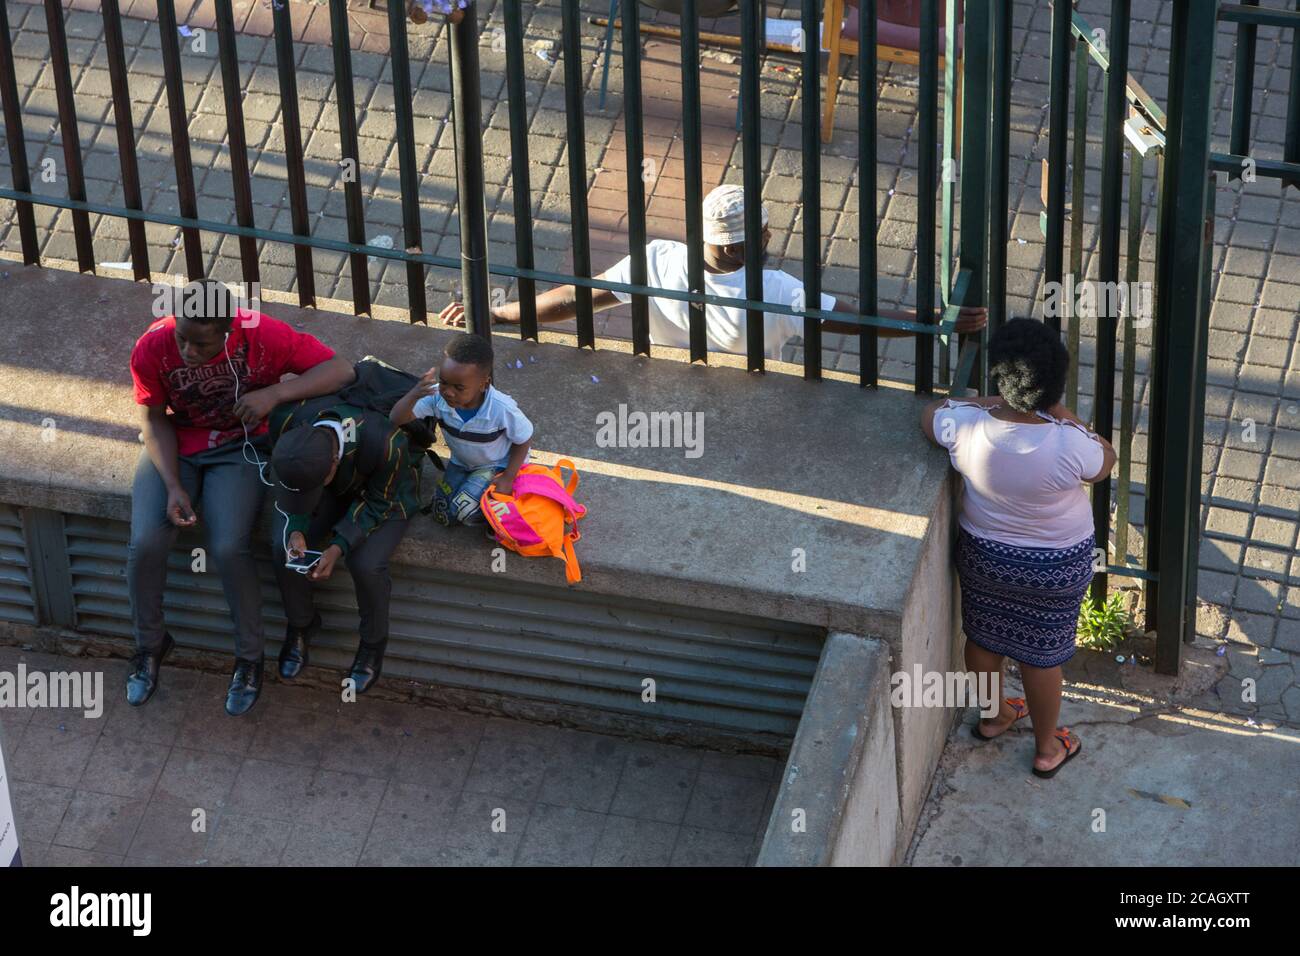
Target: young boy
<point x="486" y="432"/>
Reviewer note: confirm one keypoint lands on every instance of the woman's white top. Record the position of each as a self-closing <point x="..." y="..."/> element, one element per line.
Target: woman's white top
<point x="1023" y="484"/>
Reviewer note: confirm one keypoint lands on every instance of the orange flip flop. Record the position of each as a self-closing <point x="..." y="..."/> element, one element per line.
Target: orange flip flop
<point x="1065" y="737"/>
<point x="1017" y="704"/>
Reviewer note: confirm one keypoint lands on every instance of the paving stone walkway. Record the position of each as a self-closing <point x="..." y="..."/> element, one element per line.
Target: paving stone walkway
<point x="304" y="780"/>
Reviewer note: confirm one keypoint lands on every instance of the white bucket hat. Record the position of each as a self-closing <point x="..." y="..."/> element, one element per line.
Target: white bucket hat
<point x="724" y="215"/>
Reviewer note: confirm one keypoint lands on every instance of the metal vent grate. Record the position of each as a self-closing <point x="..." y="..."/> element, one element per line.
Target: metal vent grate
<point x="17" y="601"/>
<point x="740" y="674"/>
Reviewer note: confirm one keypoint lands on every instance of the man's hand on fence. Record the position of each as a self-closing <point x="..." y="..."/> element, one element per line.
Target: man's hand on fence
<point x="454" y="316"/>
<point x="419" y="11"/>
<point x="971" y="319"/>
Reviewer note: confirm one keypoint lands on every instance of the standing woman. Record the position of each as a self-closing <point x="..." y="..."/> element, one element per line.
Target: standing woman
<point x="1025" y="544"/>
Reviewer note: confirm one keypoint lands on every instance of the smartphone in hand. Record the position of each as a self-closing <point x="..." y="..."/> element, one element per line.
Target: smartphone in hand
<point x="304" y="563"/>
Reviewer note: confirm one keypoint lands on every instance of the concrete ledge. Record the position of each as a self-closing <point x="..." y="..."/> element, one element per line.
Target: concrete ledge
<point x="790" y="468"/>
<point x="840" y="780"/>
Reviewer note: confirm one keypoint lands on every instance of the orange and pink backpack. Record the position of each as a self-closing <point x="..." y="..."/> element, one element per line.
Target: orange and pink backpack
<point x="541" y="517"/>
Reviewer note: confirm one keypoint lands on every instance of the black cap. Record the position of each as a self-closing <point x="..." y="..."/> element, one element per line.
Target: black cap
<point x="301" y="460"/>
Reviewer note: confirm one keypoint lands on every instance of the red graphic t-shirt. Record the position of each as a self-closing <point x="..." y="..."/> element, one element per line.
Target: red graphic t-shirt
<point x="202" y="398"/>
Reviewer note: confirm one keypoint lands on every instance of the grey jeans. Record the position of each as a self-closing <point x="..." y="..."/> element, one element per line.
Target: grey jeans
<point x="227" y="494"/>
<point x="367" y="563"/>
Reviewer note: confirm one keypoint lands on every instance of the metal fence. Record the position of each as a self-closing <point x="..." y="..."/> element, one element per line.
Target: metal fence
<point x="949" y="276"/>
<point x="1177" y="146"/>
<point x="933" y="319"/>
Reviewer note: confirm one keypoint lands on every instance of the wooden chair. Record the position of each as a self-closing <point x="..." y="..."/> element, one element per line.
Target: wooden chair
<point x="898" y="41"/>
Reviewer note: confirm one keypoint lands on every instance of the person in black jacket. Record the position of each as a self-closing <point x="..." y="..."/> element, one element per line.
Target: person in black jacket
<point x="346" y="481"/>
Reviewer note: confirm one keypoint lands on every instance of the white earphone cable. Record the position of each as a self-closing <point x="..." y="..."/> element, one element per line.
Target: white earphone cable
<point x="248" y="447"/>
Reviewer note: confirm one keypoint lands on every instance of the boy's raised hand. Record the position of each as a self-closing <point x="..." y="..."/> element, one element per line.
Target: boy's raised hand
<point x="428" y="383"/>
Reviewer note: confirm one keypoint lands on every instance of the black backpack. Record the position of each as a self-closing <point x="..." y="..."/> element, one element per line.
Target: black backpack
<point x="377" y="388"/>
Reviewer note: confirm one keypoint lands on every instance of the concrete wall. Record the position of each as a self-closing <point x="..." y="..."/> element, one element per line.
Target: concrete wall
<point x="930" y="638"/>
<point x="860" y="768"/>
<point x="838" y="802"/>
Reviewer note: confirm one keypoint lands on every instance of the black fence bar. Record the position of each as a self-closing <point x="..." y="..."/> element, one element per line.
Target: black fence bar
<point x="633" y="138"/>
<point x="1157" y="415"/>
<point x="124" y="126"/>
<point x="1058" y="120"/>
<point x="468" y="118"/>
<point x="1078" y="174"/>
<point x="68" y="132"/>
<point x="1240" y="13"/>
<point x="293" y="156"/>
<point x="751" y="167"/>
<point x="187" y="201"/>
<point x="520" y="180"/>
<point x="574" y="107"/>
<point x="178" y="116"/>
<point x="927" y="121"/>
<point x="1291" y="148"/>
<point x="1196" y="427"/>
<point x="232" y="90"/>
<point x="17" y="142"/>
<point x="811" y="196"/>
<point x="951" y="109"/>
<point x="408" y="172"/>
<point x="1127" y="400"/>
<point x="972" y="248"/>
<point x="1230" y="163"/>
<point x="1179" y="261"/>
<point x="1112" y="181"/>
<point x="341" y="42"/>
<point x="868" y="287"/>
<point x="999" y="117"/>
<point x="692" y="153"/>
<point x="1243" y="86"/>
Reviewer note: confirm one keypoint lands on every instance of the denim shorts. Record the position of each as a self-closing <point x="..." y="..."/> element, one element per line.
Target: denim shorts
<point x="458" y="493"/>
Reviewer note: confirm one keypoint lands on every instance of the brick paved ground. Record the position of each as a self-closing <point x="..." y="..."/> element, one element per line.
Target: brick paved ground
<point x="1250" y="518"/>
<point x="305" y="780"/>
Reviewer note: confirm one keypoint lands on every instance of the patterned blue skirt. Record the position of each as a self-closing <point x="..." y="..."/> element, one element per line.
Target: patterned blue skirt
<point x="1023" y="602"/>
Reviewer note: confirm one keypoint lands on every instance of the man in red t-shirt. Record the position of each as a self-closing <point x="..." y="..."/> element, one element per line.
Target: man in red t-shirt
<point x="206" y="381"/>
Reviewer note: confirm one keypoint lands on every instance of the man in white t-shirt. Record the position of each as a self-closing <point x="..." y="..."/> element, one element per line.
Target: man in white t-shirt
<point x="724" y="276"/>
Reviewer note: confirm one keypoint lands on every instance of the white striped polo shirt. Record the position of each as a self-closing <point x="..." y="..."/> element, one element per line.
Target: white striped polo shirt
<point x="486" y="437"/>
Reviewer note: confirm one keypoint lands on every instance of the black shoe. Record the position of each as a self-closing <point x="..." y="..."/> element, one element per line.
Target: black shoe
<point x="366" y="667"/>
<point x="142" y="679"/>
<point x="293" y="654"/>
<point x="245" y="685"/>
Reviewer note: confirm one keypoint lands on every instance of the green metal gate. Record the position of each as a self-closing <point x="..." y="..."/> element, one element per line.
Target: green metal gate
<point x="1176" y="145"/>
